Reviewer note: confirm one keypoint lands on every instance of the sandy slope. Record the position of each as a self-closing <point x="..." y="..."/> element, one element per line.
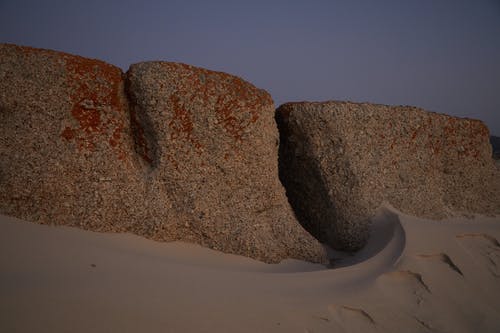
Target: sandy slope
<point x="414" y="276"/>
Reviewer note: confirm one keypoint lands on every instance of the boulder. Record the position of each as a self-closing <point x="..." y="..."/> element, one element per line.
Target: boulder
<point x="66" y="151"/>
<point x="340" y="161"/>
<point x="210" y="144"/>
<point x="166" y="151"/>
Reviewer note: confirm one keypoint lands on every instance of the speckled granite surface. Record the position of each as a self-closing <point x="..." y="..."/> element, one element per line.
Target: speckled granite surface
<point x="341" y="160"/>
<point x="167" y="151"/>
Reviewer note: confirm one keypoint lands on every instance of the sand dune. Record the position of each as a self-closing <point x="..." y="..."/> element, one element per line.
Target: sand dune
<point x="414" y="275"/>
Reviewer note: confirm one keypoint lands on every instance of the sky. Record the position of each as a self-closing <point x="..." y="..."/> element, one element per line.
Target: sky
<point x="441" y="55"/>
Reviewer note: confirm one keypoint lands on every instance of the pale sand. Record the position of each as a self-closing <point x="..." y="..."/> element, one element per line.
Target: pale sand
<point x="414" y="276"/>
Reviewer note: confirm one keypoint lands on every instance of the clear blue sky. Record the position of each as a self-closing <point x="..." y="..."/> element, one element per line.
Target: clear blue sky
<point x="442" y="55"/>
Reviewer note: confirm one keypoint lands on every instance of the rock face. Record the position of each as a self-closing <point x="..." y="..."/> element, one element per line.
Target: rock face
<point x="210" y="144"/>
<point x="66" y="147"/>
<point x="339" y="161"/>
<point x="180" y="153"/>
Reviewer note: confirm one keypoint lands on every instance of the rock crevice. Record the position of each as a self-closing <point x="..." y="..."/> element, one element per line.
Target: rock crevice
<point x="175" y="152"/>
<point x="339" y="161"/>
<point x="143" y="133"/>
<point x="167" y="151"/>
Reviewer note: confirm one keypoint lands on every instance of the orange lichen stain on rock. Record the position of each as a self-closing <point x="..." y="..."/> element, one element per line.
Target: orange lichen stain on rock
<point x="479" y="130"/>
<point x="122" y="155"/>
<point x="94" y="80"/>
<point x="68" y="134"/>
<point x="451" y="133"/>
<point x="89" y="119"/>
<point x="466" y="135"/>
<point x="233" y="97"/>
<point x="251" y="95"/>
<point x="228" y="106"/>
<point x="181" y="124"/>
<point x="95" y="89"/>
<point x="224" y="110"/>
<point x="115" y="138"/>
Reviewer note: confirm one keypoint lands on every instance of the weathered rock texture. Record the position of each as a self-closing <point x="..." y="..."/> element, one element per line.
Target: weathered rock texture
<point x="339" y="161"/>
<point x="210" y="143"/>
<point x="65" y="149"/>
<point x="191" y="156"/>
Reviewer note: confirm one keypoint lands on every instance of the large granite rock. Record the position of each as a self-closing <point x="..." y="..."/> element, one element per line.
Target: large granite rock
<point x="65" y="142"/>
<point x="340" y="161"/>
<point x="193" y="158"/>
<point x="209" y="142"/>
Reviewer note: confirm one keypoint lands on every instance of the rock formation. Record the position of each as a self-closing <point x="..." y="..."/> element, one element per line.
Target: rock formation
<point x="210" y="144"/>
<point x="66" y="146"/>
<point x="180" y="153"/>
<point x="339" y="161"/>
